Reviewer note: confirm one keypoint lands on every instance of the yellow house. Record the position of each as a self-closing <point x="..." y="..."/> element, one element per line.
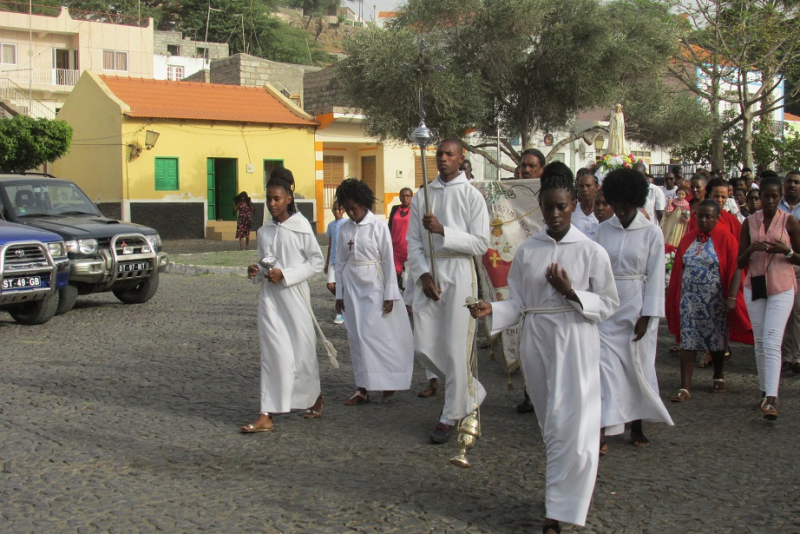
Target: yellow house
<point x="172" y="155"/>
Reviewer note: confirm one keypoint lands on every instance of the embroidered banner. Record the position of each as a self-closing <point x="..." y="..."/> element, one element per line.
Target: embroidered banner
<point x="514" y="216"/>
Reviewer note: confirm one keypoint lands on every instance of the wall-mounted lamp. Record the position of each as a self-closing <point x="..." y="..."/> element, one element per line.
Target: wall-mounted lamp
<point x="598" y="143"/>
<point x="150" y="139"/>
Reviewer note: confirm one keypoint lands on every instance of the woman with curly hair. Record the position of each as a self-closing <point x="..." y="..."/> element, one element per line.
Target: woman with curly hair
<point x="380" y="338"/>
<point x="628" y="382"/>
<point x="243" y="207"/>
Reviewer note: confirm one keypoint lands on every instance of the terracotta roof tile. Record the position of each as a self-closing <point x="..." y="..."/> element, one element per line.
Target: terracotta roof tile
<point x="789" y="117"/>
<point x="200" y="101"/>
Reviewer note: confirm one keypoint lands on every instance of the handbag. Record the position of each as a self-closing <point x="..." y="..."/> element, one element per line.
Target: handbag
<point x="758" y="284"/>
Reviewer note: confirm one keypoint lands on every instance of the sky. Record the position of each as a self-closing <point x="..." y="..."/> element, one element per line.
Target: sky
<point x="381" y="5"/>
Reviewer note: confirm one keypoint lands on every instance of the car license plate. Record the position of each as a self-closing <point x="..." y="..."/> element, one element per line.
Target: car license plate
<point x="127" y="267"/>
<point x="22" y="282"/>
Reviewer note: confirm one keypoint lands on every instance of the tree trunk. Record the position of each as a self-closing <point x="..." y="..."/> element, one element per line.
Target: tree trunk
<point x="747" y="138"/>
<point x="718" y="136"/>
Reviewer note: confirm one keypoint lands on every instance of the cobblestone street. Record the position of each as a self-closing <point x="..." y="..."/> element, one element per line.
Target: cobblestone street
<point x="119" y="418"/>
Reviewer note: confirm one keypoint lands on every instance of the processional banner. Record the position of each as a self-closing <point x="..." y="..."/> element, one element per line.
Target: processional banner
<point x="514" y="217"/>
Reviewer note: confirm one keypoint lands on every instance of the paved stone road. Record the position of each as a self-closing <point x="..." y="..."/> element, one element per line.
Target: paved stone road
<point x="125" y="419"/>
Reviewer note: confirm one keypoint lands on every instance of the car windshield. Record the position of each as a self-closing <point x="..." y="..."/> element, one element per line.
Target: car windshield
<point x="47" y="198"/>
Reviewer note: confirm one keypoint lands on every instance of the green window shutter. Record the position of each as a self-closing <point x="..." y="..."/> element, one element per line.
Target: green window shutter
<point x="167" y="174"/>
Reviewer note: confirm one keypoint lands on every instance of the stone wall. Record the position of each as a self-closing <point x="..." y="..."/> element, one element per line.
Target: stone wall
<point x="201" y="76"/>
<point x="188" y="47"/>
<point x="251" y="71"/>
<point x="322" y="91"/>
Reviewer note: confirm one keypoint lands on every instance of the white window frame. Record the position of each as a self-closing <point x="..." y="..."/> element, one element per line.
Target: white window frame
<point x="14" y="47"/>
<point x="115" y="62"/>
<point x="174" y="70"/>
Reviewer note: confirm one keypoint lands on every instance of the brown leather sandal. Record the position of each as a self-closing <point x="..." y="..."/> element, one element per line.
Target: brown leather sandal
<point x="430" y="391"/>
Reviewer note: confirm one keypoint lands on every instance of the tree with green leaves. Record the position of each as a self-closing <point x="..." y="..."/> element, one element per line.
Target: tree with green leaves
<point x="522" y="66"/>
<point x="743" y="53"/>
<point x="26" y="143"/>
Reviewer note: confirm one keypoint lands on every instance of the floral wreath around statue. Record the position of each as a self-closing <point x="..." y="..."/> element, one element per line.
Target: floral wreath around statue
<point x="611" y="162"/>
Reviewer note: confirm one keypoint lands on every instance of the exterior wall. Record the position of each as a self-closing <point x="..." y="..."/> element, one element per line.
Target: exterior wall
<point x="188" y="46"/>
<point x="192" y="143"/>
<point x="95" y="159"/>
<point x="322" y="91"/>
<point x="173" y="220"/>
<point x="190" y="66"/>
<point x="398" y="172"/>
<point x="251" y="71"/>
<point x="89" y="39"/>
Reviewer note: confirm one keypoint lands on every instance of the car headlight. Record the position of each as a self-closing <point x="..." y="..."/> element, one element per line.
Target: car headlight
<point x="155" y="241"/>
<point x="82" y="246"/>
<point x="57" y="249"/>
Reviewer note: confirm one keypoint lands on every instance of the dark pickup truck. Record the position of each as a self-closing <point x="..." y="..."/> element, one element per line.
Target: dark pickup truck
<point x="33" y="267"/>
<point x="105" y="254"/>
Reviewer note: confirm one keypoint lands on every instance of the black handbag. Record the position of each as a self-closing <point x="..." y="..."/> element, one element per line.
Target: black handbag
<point x="758" y="284"/>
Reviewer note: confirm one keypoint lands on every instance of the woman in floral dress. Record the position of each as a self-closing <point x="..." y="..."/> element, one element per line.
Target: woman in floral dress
<point x="244" y="206"/>
<point x="704" y="301"/>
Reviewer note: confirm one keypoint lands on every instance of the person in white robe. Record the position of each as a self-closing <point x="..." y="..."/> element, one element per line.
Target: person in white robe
<point x="443" y="328"/>
<point x="562" y="284"/>
<point x="378" y="329"/>
<point x="583" y="218"/>
<point x="287" y="341"/>
<point x="629" y="385"/>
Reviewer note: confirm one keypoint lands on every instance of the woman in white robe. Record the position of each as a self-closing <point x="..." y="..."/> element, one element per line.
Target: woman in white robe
<point x="289" y="369"/>
<point x="562" y="283"/>
<point x="629" y="385"/>
<point x="381" y="343"/>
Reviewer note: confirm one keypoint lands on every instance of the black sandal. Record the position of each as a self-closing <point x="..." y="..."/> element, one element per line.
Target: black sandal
<point x="555" y="527"/>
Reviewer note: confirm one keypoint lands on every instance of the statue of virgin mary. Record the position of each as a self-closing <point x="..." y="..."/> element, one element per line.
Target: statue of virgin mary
<point x="617" y="133"/>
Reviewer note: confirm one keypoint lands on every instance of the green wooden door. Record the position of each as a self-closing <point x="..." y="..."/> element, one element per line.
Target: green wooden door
<point x="212" y="190"/>
<point x="227" y="188"/>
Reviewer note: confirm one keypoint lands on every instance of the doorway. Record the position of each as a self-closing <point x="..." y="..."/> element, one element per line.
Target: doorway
<point x="223" y="186"/>
<point x="61" y="66"/>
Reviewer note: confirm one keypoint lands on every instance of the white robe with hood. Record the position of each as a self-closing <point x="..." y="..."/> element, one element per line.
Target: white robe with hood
<point x="381" y="345"/>
<point x="559" y="355"/>
<point x="627" y="369"/>
<point x="289" y="369"/>
<point x="444" y="329"/>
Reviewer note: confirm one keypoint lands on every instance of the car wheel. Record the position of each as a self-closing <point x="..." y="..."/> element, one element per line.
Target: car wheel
<point x="141" y="293"/>
<point x="37" y="312"/>
<point x="67" y="296"/>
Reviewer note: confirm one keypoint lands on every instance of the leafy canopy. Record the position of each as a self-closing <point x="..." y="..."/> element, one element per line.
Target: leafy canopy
<point x="26" y="143"/>
<point x="522" y="65"/>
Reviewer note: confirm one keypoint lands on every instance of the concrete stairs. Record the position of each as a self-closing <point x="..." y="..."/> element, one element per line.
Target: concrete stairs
<point x="221" y="230"/>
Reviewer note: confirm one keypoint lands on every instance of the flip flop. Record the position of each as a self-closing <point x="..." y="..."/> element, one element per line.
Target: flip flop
<point x="683" y="395"/>
<point x="315" y="414"/>
<point x="250" y="429"/>
<point x="357" y="398"/>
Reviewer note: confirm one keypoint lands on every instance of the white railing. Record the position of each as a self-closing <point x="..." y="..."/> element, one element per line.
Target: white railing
<point x="17" y="97"/>
<point x="42" y="76"/>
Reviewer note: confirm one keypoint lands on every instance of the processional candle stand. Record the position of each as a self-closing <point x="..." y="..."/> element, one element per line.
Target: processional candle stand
<point x="422" y="136"/>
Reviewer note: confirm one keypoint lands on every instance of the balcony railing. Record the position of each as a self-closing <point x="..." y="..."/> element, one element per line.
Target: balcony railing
<point x="42" y="76"/>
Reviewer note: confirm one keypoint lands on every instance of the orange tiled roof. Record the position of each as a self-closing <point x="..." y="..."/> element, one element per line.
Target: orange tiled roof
<point x="387" y="14"/>
<point x="789" y="117"/>
<point x="200" y="101"/>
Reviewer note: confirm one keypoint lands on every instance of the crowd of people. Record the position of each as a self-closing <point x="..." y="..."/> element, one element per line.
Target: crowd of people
<point x="588" y="291"/>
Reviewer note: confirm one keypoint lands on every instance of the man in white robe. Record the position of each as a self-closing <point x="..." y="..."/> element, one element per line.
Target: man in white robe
<point x="443" y="328"/>
<point x="559" y="353"/>
<point x="381" y="344"/>
<point x="583" y="217"/>
<point x="627" y="369"/>
<point x="289" y="369"/>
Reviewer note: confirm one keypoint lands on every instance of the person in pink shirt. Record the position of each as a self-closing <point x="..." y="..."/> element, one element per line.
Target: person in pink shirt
<point x="398" y="227"/>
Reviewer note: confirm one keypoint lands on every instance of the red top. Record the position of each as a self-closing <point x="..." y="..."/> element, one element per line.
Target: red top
<point x="727" y="248"/>
<point x="399" y="229"/>
<point x="726" y="220"/>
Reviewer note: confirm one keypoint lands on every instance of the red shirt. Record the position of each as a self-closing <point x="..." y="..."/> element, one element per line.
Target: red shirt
<point x="399" y="229"/>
